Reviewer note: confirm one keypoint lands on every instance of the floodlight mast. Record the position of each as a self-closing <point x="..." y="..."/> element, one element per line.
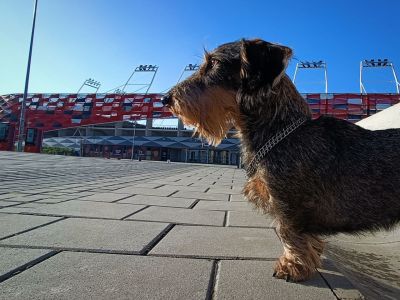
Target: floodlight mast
<point x="90" y="83"/>
<point x="312" y="65"/>
<point x="188" y="68"/>
<point x="377" y="63"/>
<point x="141" y="68"/>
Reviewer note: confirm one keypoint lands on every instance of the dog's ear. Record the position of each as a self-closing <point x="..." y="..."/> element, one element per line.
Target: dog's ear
<point x="262" y="63"/>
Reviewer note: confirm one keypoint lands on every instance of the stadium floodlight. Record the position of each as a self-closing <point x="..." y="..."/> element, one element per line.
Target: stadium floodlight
<point x="192" y="67"/>
<point x="140" y="68"/>
<point x="188" y="68"/>
<point x="146" y="68"/>
<point x="90" y="83"/>
<point x="312" y="65"/>
<point x="377" y="63"/>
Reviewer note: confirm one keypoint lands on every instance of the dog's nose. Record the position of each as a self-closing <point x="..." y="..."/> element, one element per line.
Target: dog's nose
<point x="166" y="100"/>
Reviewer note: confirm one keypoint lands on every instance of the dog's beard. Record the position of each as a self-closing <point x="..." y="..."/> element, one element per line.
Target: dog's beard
<point x="212" y="113"/>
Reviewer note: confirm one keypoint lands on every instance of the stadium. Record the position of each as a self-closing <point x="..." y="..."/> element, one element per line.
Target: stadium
<point x="123" y="125"/>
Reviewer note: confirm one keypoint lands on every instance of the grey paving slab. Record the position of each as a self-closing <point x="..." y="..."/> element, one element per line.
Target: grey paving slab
<point x="148" y="185"/>
<point x="23" y="198"/>
<point x="253" y="280"/>
<point x="177" y="187"/>
<point x="249" y="219"/>
<point x="237" y="198"/>
<point x="220" y="242"/>
<point x="226" y="190"/>
<point x="158" y="200"/>
<point x="79" y="208"/>
<point x="105" y="197"/>
<point x="199" y="195"/>
<point x="12" y="258"/>
<point x="7" y="203"/>
<point x="144" y="191"/>
<point x="339" y="284"/>
<point x="180" y="216"/>
<point x="105" y="235"/>
<point x="224" y="205"/>
<point x="108" y="276"/>
<point x="57" y="199"/>
<point x="11" y="224"/>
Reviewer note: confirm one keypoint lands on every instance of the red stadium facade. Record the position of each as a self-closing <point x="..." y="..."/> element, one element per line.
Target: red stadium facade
<point x="48" y="112"/>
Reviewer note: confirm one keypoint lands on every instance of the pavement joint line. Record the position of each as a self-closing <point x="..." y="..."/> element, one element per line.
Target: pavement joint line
<point x="127" y="216"/>
<point x="213" y="282"/>
<point x="173" y="193"/>
<point x="72" y="249"/>
<point x="328" y="285"/>
<point x="194" y="204"/>
<point x="226" y="219"/>
<point x="33" y="228"/>
<point x="228" y="258"/>
<point x="27" y="266"/>
<point x="130" y="220"/>
<point x="114" y="201"/>
<point x="157" y="239"/>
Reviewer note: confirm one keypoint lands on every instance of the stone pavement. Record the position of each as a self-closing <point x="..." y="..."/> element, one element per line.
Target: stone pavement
<point x="86" y="228"/>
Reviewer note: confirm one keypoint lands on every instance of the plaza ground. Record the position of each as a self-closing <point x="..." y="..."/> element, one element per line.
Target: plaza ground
<point x="79" y="228"/>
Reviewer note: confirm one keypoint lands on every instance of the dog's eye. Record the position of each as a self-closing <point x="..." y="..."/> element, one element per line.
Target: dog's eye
<point x="214" y="62"/>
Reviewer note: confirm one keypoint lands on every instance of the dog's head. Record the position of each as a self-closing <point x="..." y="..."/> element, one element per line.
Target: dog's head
<point x="208" y="100"/>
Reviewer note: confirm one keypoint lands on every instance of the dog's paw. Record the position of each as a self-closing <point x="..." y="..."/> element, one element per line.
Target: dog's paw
<point x="291" y="271"/>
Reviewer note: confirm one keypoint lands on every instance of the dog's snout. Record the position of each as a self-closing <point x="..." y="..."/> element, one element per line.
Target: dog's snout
<point x="166" y="100"/>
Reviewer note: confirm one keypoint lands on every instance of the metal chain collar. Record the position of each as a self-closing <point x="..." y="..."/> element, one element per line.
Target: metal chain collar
<point x="271" y="143"/>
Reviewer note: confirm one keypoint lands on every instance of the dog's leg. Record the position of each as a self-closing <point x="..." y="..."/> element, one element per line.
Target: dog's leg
<point x="301" y="255"/>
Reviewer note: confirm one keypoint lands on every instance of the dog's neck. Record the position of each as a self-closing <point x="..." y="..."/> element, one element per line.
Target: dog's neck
<point x="266" y="112"/>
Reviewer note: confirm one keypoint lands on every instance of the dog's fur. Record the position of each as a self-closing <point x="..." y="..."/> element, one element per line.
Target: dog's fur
<point x="326" y="177"/>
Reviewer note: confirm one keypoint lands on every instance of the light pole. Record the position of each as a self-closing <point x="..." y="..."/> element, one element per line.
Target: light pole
<point x="21" y="130"/>
<point x="377" y="63"/>
<point x="312" y="65"/>
<point x="90" y="83"/>
<point x="133" y="137"/>
<point x="142" y="68"/>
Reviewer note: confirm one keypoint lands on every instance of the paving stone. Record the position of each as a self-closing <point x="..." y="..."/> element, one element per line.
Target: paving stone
<point x="6" y="203"/>
<point x="180" y="216"/>
<point x="341" y="286"/>
<point x="11" y="224"/>
<point x="110" y="276"/>
<point x="57" y="199"/>
<point x="145" y="191"/>
<point x="103" y="235"/>
<point x="24" y="198"/>
<point x="177" y="187"/>
<point x="11" y="258"/>
<point x="105" y="197"/>
<point x="249" y="219"/>
<point x="198" y="195"/>
<point x="253" y="280"/>
<point x="88" y="209"/>
<point x="149" y="185"/>
<point x="223" y="205"/>
<point x="161" y="201"/>
<point x="220" y="242"/>
<point x="227" y="190"/>
<point x="238" y="198"/>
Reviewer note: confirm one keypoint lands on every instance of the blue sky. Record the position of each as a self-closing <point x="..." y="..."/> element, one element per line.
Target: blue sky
<point x="79" y="39"/>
